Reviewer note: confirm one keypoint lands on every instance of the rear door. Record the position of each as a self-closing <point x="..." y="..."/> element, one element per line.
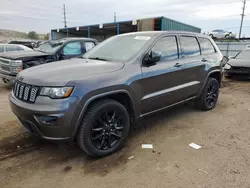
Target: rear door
<point x="209" y="51"/>
<point x="193" y="64"/>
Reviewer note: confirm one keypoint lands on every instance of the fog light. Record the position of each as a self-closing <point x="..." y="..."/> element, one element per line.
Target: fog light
<point x="48" y="119"/>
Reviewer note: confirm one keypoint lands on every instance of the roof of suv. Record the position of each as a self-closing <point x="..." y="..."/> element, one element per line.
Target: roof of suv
<point x="74" y="38"/>
<point x="154" y="33"/>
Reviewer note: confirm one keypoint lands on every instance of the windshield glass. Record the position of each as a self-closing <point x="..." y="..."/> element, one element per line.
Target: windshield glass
<point x="245" y="54"/>
<point x="118" y="48"/>
<point x="49" y="47"/>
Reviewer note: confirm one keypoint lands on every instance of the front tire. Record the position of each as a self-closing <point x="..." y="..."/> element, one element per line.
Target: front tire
<point x="209" y="96"/>
<point x="104" y="128"/>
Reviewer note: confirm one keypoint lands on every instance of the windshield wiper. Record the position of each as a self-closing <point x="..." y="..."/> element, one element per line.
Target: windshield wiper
<point x="98" y="58"/>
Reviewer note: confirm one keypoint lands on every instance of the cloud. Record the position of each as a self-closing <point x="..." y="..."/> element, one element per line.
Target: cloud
<point x="43" y="15"/>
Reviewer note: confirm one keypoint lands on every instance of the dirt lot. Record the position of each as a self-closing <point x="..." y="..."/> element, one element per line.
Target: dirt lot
<point x="223" y="160"/>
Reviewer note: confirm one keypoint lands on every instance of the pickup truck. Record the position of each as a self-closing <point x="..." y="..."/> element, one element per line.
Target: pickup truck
<point x="12" y="63"/>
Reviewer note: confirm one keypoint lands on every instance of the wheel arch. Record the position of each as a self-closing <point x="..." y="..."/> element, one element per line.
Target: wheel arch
<point x="121" y="96"/>
<point x="212" y="74"/>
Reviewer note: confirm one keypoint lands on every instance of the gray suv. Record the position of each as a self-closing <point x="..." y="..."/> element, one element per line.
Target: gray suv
<point x="93" y="100"/>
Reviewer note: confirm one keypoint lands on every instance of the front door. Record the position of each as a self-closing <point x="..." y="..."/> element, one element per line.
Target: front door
<point x="161" y="81"/>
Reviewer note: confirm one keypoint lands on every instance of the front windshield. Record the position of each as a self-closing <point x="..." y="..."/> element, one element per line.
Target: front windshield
<point x="118" y="48"/>
<point x="245" y="54"/>
<point x="49" y="47"/>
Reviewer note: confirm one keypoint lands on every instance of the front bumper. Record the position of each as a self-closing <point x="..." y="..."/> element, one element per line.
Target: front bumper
<point x="10" y="78"/>
<point x="47" y="118"/>
<point x="237" y="72"/>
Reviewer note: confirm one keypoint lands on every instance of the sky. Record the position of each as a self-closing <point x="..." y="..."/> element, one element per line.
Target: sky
<point x="44" y="15"/>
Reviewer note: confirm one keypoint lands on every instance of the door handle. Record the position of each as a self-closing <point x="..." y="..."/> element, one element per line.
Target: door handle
<point x="204" y="60"/>
<point x="177" y="65"/>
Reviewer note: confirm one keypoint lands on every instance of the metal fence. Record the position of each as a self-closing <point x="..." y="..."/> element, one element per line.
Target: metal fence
<point x="232" y="48"/>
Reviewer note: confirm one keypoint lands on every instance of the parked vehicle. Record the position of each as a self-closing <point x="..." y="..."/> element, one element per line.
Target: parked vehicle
<point x="13" y="48"/>
<point x="95" y="99"/>
<point x="220" y="34"/>
<point x="12" y="63"/>
<point x="238" y="65"/>
<point x="28" y="43"/>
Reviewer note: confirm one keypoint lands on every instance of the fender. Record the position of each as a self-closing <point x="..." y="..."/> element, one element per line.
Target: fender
<point x="208" y="75"/>
<point x="91" y="99"/>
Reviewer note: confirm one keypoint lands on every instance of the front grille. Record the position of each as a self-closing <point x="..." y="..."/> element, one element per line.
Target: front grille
<point x="4" y="64"/>
<point x="5" y="68"/>
<point x="4" y="61"/>
<point x="25" y="92"/>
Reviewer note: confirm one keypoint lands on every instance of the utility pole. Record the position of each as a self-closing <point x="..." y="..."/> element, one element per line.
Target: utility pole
<point x="114" y="17"/>
<point x="242" y="17"/>
<point x="65" y="19"/>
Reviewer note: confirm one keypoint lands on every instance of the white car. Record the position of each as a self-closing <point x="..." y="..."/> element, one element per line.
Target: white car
<point x="219" y="33"/>
<point x="13" y="48"/>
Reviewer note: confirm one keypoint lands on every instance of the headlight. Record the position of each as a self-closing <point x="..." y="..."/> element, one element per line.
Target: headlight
<point x="227" y="67"/>
<point x="57" y="92"/>
<point x="16" y="66"/>
<point x="16" y="63"/>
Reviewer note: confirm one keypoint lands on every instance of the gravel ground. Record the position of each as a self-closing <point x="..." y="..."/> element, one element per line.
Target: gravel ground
<point x="223" y="160"/>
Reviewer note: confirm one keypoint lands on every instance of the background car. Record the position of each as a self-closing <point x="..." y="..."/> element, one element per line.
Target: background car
<point x="238" y="65"/>
<point x="29" y="43"/>
<point x="219" y="33"/>
<point x="55" y="50"/>
<point x="13" y="48"/>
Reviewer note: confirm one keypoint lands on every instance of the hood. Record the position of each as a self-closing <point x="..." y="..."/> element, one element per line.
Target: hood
<point x="239" y="62"/>
<point x="61" y="72"/>
<point x="22" y="54"/>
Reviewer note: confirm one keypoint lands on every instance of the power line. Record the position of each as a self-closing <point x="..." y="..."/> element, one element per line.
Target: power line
<point x="242" y="16"/>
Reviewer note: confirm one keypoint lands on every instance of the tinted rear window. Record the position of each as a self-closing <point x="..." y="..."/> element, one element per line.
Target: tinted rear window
<point x="206" y="46"/>
<point x="190" y="46"/>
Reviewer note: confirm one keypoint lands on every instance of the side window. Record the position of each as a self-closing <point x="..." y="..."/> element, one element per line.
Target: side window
<point x="168" y="48"/>
<point x="89" y="45"/>
<point x="19" y="48"/>
<point x="72" y="48"/>
<point x="10" y="48"/>
<point x="206" y="46"/>
<point x="190" y="46"/>
<point x="1" y="48"/>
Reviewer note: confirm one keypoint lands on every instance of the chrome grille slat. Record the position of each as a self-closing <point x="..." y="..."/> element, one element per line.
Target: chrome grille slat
<point x="25" y="92"/>
<point x="17" y="89"/>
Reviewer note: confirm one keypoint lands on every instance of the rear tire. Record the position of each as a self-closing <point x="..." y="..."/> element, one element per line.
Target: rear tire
<point x="209" y="96"/>
<point x="104" y="128"/>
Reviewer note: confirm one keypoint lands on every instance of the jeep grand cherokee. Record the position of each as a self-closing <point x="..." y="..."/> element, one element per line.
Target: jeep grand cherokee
<point x="94" y="100"/>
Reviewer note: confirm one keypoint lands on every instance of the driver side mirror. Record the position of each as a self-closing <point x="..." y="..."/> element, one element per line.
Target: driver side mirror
<point x="151" y="58"/>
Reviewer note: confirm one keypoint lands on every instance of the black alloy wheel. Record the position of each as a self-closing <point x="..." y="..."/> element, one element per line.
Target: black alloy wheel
<point x="212" y="95"/>
<point x="107" y="130"/>
<point x="209" y="95"/>
<point x="104" y="128"/>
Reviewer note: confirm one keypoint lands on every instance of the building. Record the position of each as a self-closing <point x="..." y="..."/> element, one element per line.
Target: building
<point x="104" y="31"/>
